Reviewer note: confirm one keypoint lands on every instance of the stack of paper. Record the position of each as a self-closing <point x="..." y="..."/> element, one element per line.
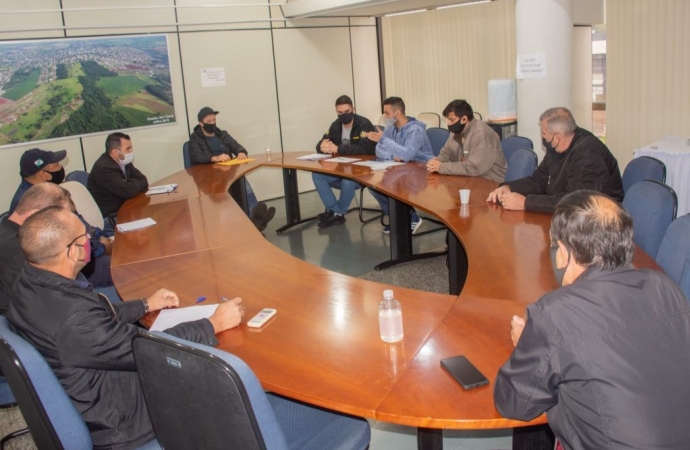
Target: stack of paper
<point x="314" y="157"/>
<point x="163" y="189"/>
<point x="135" y="225"/>
<point x="342" y="159"/>
<point x="379" y="165"/>
<point x="168" y="318"/>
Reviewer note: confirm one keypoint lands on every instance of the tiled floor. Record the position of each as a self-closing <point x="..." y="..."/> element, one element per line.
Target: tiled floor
<point x="354" y="249"/>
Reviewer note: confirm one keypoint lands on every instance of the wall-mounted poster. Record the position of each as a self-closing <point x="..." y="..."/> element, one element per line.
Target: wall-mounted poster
<point x="70" y="87"/>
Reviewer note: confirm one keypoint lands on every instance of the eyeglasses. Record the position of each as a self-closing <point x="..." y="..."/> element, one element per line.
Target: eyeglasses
<point x="74" y="241"/>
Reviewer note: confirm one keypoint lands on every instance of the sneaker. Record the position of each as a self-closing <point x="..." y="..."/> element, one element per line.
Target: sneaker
<point x="325" y="215"/>
<point x="387" y="229"/>
<point x="335" y="219"/>
<point x="258" y="215"/>
<point x="415" y="223"/>
<point x="270" y="212"/>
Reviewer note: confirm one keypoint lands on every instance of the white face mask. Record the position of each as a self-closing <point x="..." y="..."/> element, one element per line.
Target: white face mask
<point x="389" y="121"/>
<point x="129" y="158"/>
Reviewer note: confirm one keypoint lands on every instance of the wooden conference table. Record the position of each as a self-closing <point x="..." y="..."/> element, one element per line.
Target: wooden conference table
<point x="323" y="346"/>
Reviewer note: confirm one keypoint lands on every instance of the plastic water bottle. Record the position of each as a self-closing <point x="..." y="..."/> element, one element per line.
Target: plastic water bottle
<point x="268" y="153"/>
<point x="390" y="318"/>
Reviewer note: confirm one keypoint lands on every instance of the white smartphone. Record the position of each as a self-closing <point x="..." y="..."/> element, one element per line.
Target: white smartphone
<point x="260" y="319"/>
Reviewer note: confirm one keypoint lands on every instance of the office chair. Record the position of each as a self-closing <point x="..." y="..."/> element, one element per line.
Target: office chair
<point x="438" y="138"/>
<point x="431" y="119"/>
<point x="653" y="206"/>
<point x="86" y="205"/>
<point x="674" y="253"/>
<point x="79" y="176"/>
<point x="201" y="397"/>
<point x="521" y="164"/>
<point x="643" y="168"/>
<point x="512" y="143"/>
<point x="4" y="215"/>
<point x="185" y="155"/>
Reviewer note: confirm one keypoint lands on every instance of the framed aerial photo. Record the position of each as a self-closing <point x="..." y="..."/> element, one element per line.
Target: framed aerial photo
<point x="71" y="87"/>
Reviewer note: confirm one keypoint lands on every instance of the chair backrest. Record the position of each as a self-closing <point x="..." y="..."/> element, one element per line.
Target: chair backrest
<point x="6" y="396"/>
<point x="643" y="168"/>
<point x="438" y="138"/>
<point x="674" y="252"/>
<point x="185" y="155"/>
<point x="194" y="392"/>
<point x="49" y="413"/>
<point x="431" y="119"/>
<point x="512" y="143"/>
<point x="86" y="205"/>
<point x="78" y="175"/>
<point x="653" y="207"/>
<point x="521" y="164"/>
<point x="3" y="215"/>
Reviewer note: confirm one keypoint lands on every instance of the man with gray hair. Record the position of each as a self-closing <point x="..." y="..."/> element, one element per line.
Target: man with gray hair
<point x="606" y="355"/>
<point x="575" y="159"/>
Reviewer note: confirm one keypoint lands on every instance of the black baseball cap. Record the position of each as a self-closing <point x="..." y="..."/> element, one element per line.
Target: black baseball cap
<point x="34" y="160"/>
<point x="205" y="111"/>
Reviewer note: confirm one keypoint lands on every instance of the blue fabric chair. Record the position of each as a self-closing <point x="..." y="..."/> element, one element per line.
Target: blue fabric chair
<point x="653" y="207"/>
<point x="49" y="413"/>
<point x="510" y="144"/>
<point x="522" y="164"/>
<point x="78" y="175"/>
<point x="437" y="137"/>
<point x="185" y="155"/>
<point x="643" y="168"/>
<point x="199" y="396"/>
<point x="674" y="253"/>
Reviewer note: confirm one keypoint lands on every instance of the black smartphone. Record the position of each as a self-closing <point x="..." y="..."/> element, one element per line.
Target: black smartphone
<point x="464" y="372"/>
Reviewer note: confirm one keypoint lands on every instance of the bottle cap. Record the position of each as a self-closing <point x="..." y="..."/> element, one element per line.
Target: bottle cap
<point x="388" y="294"/>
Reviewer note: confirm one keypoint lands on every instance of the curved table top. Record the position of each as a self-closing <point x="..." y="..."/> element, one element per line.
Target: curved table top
<point x="323" y="347"/>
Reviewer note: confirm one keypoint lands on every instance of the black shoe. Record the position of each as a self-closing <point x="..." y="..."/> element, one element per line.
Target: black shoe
<point x="267" y="218"/>
<point x="259" y="215"/>
<point x="325" y="215"/>
<point x="336" y="219"/>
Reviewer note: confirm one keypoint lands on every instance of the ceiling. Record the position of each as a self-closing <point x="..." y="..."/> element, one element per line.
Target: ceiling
<point x="298" y="9"/>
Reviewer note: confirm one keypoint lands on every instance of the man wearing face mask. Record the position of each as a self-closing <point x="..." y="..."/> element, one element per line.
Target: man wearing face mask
<point x="209" y="144"/>
<point x="575" y="159"/>
<point x="113" y="178"/>
<point x="345" y="137"/>
<point x="605" y="355"/>
<point x="473" y="149"/>
<point x="38" y="166"/>
<point x="86" y="340"/>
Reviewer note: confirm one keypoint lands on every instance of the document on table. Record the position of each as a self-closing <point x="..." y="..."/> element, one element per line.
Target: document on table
<point x="168" y="318"/>
<point x="314" y="157"/>
<point x="135" y="225"/>
<point x="162" y="189"/>
<point x="234" y="162"/>
<point x="378" y="165"/>
<point x="342" y="159"/>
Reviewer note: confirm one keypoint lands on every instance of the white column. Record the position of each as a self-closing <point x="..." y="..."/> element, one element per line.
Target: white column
<point x="543" y="26"/>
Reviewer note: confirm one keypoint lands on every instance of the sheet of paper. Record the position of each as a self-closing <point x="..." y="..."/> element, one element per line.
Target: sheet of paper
<point x="168" y="318"/>
<point x="234" y="162"/>
<point x="314" y="157"/>
<point x="135" y="225"/>
<point x="378" y="165"/>
<point x="163" y="189"/>
<point x="342" y="159"/>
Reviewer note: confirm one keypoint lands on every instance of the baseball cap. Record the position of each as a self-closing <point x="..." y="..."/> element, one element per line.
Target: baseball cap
<point x="34" y="160"/>
<point x="205" y="111"/>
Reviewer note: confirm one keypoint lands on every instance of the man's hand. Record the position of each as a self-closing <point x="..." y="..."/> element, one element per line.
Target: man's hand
<point x="513" y="201"/>
<point x="328" y="147"/>
<point x="108" y="244"/>
<point x="433" y="165"/>
<point x="220" y="158"/>
<point x="228" y="315"/>
<point x="495" y="195"/>
<point x="375" y="136"/>
<point x="162" y="298"/>
<point x="516" y="327"/>
<point x="241" y="156"/>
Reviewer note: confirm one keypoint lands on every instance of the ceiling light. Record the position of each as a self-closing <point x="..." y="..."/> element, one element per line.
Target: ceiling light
<point x="464" y="4"/>
<point x="406" y="12"/>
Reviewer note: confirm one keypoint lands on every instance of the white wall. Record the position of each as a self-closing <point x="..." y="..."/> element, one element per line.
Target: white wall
<point x="282" y="77"/>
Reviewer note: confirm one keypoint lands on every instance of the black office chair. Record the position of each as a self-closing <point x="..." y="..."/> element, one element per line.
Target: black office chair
<point x="201" y="397"/>
<point x="335" y="184"/>
<point x="185" y="155"/>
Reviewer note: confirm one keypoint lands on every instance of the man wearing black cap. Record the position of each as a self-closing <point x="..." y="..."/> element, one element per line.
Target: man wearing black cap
<point x="209" y="144"/>
<point x="38" y="166"/>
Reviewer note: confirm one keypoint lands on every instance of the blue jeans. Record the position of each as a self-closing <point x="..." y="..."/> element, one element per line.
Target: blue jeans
<point x="324" y="183"/>
<point x="382" y="199"/>
<point x="252" y="201"/>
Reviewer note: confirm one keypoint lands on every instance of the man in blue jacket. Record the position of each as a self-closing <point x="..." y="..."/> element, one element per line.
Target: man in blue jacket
<point x="404" y="139"/>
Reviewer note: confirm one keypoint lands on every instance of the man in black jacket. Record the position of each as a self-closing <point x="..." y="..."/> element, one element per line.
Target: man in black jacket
<point x="345" y="137"/>
<point x="113" y="178"/>
<point x="85" y="339"/>
<point x="575" y="159"/>
<point x="209" y="144"/>
<point x="606" y="355"/>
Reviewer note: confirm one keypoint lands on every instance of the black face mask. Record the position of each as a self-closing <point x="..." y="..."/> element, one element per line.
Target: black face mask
<point x="346" y="118"/>
<point x="457" y="127"/>
<point x="58" y="176"/>
<point x="559" y="273"/>
<point x="549" y="145"/>
<point x="209" y="127"/>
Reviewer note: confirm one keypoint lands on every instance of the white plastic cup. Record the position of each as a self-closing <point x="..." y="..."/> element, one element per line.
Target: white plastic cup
<point x="464" y="196"/>
<point x="464" y="210"/>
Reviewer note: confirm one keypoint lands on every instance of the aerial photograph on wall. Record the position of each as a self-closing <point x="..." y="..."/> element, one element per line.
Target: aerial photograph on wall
<point x="70" y="87"/>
